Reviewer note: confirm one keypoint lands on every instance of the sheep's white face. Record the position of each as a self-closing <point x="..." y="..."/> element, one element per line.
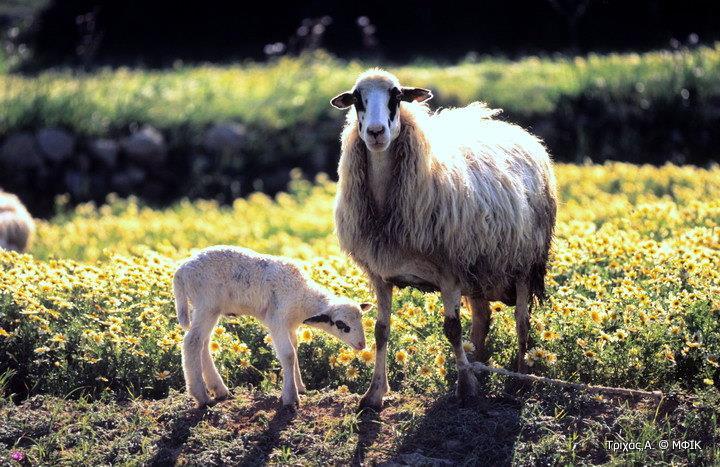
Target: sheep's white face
<point x="344" y="321"/>
<point x="376" y="98"/>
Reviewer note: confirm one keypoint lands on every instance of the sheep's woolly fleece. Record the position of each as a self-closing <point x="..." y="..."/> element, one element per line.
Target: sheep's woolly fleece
<point x="476" y="193"/>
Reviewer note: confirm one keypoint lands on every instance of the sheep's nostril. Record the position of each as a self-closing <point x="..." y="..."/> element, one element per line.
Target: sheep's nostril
<point x="376" y="131"/>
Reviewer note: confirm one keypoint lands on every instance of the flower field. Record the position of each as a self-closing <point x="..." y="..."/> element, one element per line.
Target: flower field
<point x="634" y="292"/>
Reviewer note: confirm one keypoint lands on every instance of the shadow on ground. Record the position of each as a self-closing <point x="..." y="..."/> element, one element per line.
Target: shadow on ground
<point x="483" y="432"/>
<point x="170" y="446"/>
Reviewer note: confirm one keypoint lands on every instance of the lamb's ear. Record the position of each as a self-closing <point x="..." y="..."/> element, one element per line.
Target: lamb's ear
<point x="321" y="318"/>
<point x="415" y="94"/>
<point x="343" y="101"/>
<point x="365" y="306"/>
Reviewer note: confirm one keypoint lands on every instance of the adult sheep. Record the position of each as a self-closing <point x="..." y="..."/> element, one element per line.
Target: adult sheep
<point x="16" y="223"/>
<point x="454" y="202"/>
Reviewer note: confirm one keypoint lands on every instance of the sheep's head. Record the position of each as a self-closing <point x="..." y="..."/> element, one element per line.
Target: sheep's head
<point x="343" y="320"/>
<point x="377" y="96"/>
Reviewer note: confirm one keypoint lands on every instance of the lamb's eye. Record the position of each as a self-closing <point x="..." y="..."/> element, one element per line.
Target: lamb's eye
<point x="342" y="326"/>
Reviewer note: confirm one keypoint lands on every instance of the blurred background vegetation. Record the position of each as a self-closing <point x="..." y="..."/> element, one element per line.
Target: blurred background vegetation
<point x="166" y="100"/>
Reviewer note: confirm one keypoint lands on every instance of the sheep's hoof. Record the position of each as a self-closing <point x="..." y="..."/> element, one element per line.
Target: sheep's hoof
<point x="293" y="403"/>
<point x="467" y="387"/>
<point x="290" y="408"/>
<point x="370" y="403"/>
<point x="302" y="390"/>
<point x="522" y="366"/>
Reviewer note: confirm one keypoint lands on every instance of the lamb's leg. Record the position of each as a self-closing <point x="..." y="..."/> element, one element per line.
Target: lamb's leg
<point x="298" y="376"/>
<point x="481" y="315"/>
<point x="193" y="342"/>
<point x="467" y="386"/>
<point x="287" y="356"/>
<point x="522" y="323"/>
<point x="379" y="384"/>
<point x="212" y="377"/>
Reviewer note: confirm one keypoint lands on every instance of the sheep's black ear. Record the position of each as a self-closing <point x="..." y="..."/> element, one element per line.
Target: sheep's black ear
<point x="343" y="101"/>
<point x="321" y="318"/>
<point x="415" y="94"/>
<point x="365" y="306"/>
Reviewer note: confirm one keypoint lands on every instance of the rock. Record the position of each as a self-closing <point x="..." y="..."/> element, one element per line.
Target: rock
<point x="77" y="184"/>
<point x="20" y="152"/>
<point x="146" y="146"/>
<point x="127" y="180"/>
<point x="56" y="144"/>
<point x="224" y="138"/>
<point x="416" y="458"/>
<point x="452" y="445"/>
<point x="104" y="150"/>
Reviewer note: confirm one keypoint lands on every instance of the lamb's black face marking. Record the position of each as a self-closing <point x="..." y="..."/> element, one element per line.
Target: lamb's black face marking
<point x="342" y="326"/>
<point x="323" y="318"/>
<point x="394" y="103"/>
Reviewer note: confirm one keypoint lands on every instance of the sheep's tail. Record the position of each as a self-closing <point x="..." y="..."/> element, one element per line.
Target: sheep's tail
<point x="181" y="302"/>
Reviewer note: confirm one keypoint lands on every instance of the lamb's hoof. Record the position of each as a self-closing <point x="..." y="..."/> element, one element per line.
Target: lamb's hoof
<point x="225" y="397"/>
<point x="221" y="393"/>
<point x="467" y="387"/>
<point x="302" y="390"/>
<point x="522" y="366"/>
<point x="204" y="404"/>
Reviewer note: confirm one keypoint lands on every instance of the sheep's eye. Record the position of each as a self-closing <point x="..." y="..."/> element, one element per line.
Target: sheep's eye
<point x="394" y="102"/>
<point x="359" y="106"/>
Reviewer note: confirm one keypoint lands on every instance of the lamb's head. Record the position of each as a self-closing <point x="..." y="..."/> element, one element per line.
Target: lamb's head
<point x="377" y="96"/>
<point x="342" y="319"/>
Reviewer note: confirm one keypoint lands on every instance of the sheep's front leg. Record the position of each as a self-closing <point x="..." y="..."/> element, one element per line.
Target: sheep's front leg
<point x="481" y="316"/>
<point x="522" y="323"/>
<point x="192" y="358"/>
<point x="298" y="376"/>
<point x="288" y="360"/>
<point x="467" y="385"/>
<point x="379" y="385"/>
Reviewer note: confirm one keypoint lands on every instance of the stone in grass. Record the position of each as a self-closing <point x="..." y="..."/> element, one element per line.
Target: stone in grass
<point x="416" y="458"/>
<point x="56" y="145"/>
<point x="19" y="151"/>
<point x="77" y="184"/>
<point x="127" y="180"/>
<point x="104" y="150"/>
<point x="145" y="147"/>
<point x="224" y="138"/>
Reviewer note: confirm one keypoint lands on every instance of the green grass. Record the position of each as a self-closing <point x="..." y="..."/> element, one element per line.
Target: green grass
<point x="292" y="90"/>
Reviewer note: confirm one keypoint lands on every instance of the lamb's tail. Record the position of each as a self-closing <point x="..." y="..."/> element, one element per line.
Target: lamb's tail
<point x="181" y="301"/>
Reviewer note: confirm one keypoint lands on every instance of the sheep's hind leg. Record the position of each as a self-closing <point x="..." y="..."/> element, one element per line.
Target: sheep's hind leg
<point x="193" y="342"/>
<point x="213" y="380"/>
<point x="379" y="384"/>
<point x="481" y="316"/>
<point x="467" y="385"/>
<point x="522" y="323"/>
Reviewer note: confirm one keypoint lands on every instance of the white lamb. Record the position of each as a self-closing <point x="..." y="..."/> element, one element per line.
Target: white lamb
<point x="231" y="281"/>
<point x="16" y="223"/>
